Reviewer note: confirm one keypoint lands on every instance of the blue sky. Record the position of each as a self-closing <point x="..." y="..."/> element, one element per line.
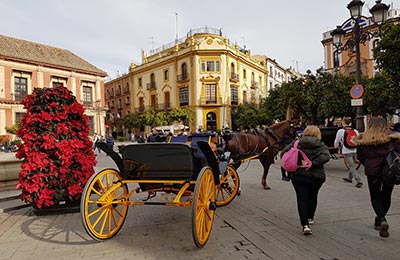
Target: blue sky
<point x="110" y="34"/>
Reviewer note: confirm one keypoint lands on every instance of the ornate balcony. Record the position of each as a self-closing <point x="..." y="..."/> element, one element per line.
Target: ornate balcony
<point x="151" y="85"/>
<point x="183" y="77"/>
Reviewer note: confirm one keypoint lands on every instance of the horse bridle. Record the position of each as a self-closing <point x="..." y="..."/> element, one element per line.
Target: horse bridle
<point x="276" y="145"/>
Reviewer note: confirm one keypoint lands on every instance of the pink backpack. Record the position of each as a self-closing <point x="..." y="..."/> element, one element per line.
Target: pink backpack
<point x="290" y="159"/>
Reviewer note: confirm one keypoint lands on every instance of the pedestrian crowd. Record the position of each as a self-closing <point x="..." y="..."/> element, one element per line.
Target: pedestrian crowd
<point x="369" y="148"/>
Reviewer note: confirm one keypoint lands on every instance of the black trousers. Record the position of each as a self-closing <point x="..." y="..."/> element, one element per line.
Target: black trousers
<point x="381" y="195"/>
<point x="307" y="197"/>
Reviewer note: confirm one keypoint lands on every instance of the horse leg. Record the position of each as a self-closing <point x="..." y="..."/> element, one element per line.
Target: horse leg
<point x="266" y="166"/>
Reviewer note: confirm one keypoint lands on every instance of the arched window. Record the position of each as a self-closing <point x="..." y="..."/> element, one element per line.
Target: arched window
<point x="184" y="69"/>
<point x="211" y="121"/>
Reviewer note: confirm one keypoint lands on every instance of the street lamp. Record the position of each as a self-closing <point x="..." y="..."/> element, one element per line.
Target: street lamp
<point x="379" y="15"/>
<point x="98" y="102"/>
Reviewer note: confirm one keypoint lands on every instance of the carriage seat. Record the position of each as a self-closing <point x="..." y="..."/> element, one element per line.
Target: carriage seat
<point x="158" y="161"/>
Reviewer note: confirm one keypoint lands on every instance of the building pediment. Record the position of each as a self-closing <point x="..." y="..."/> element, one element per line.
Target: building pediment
<point x="210" y="79"/>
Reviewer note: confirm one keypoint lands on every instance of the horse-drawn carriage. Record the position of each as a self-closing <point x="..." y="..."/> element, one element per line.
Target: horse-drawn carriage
<point x="192" y="173"/>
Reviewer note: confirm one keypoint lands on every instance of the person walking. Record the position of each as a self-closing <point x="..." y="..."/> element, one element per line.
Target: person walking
<point x="153" y="136"/>
<point x="96" y="139"/>
<point x="307" y="183"/>
<point x="349" y="150"/>
<point x="110" y="141"/>
<point x="287" y="139"/>
<point x="372" y="148"/>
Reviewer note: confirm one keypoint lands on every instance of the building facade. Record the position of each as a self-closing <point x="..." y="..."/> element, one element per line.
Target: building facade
<point x="25" y="65"/>
<point x="345" y="62"/>
<point x="203" y="71"/>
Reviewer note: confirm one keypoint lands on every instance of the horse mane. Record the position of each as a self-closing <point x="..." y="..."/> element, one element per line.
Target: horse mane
<point x="279" y="124"/>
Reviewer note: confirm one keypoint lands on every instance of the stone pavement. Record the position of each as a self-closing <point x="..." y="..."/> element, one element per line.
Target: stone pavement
<point x="259" y="224"/>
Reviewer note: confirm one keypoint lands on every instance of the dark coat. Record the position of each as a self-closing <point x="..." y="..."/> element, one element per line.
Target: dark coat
<point x="372" y="156"/>
<point x="317" y="152"/>
<point x="109" y="141"/>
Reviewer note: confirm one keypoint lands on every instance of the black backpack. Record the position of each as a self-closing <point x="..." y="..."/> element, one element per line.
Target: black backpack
<point x="391" y="167"/>
<point x="348" y="135"/>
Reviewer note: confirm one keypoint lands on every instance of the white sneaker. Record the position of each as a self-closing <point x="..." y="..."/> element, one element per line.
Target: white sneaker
<point x="307" y="230"/>
<point x="311" y="221"/>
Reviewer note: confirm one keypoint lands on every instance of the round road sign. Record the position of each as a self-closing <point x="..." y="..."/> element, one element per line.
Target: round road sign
<point x="357" y="91"/>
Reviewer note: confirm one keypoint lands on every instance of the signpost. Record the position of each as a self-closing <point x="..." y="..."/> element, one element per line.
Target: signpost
<point x="357" y="91"/>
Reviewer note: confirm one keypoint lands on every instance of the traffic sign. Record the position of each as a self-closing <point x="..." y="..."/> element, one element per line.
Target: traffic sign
<point x="357" y="102"/>
<point x="357" y="91"/>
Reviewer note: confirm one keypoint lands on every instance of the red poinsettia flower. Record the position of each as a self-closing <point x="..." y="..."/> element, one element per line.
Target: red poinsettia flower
<point x="57" y="153"/>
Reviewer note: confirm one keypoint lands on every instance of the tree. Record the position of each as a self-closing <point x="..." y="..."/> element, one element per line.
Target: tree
<point x="246" y="116"/>
<point x="387" y="56"/>
<point x="182" y="114"/>
<point x="387" y="53"/>
<point x="380" y="97"/>
<point x="312" y="97"/>
<point x="133" y="121"/>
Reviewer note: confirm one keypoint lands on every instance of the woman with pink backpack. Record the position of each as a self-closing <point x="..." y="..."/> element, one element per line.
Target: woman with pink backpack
<point x="308" y="180"/>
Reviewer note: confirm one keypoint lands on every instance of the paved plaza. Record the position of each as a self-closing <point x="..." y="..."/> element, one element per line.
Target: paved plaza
<point x="258" y="224"/>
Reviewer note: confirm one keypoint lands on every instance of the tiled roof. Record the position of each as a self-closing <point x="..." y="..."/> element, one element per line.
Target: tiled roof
<point x="36" y="53"/>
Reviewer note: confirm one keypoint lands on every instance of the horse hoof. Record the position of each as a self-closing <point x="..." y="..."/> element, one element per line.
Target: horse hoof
<point x="266" y="187"/>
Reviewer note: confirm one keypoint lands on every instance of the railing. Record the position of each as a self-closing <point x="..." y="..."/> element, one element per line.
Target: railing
<point x="190" y="34"/>
<point x="254" y="84"/>
<point x="151" y="85"/>
<point x="234" y="76"/>
<point x="205" y="101"/>
<point x="183" y="77"/>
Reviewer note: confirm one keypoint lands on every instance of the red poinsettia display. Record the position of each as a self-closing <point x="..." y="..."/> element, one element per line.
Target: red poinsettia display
<point x="57" y="153"/>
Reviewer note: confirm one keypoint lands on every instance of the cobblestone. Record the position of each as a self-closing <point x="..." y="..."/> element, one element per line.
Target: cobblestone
<point x="258" y="224"/>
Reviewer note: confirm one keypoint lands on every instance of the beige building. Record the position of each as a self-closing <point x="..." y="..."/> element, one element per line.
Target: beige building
<point x="203" y="71"/>
<point x="345" y="62"/>
<point x="25" y="65"/>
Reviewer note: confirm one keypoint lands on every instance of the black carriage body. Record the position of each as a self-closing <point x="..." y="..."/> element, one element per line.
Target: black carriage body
<point x="328" y="135"/>
<point x="158" y="161"/>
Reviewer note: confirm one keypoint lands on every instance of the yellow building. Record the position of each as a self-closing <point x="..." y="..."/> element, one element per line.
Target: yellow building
<point x="25" y="65"/>
<point x="203" y="71"/>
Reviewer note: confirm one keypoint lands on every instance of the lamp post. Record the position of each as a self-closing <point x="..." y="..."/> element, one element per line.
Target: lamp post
<point x="379" y="15"/>
<point x="98" y="102"/>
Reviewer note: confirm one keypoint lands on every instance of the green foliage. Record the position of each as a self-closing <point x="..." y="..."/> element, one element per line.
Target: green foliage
<point x="133" y="121"/>
<point x="246" y="116"/>
<point x="12" y="129"/>
<point x="182" y="114"/>
<point x="158" y="118"/>
<point x="387" y="53"/>
<point x="313" y="98"/>
<point x="121" y="138"/>
<point x="380" y="97"/>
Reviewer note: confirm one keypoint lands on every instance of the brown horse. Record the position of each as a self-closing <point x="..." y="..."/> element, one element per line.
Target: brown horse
<point x="245" y="145"/>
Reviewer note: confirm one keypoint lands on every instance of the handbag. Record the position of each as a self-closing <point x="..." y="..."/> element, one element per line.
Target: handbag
<point x="391" y="167"/>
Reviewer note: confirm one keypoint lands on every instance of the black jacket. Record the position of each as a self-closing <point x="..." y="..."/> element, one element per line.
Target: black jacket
<point x="317" y="152"/>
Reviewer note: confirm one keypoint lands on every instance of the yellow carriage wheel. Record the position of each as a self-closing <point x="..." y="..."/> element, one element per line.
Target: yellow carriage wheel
<point x="203" y="207"/>
<point x="103" y="208"/>
<point x="228" y="187"/>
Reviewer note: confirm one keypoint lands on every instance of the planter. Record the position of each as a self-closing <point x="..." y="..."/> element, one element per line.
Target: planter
<point x="9" y="167"/>
<point x="61" y="208"/>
